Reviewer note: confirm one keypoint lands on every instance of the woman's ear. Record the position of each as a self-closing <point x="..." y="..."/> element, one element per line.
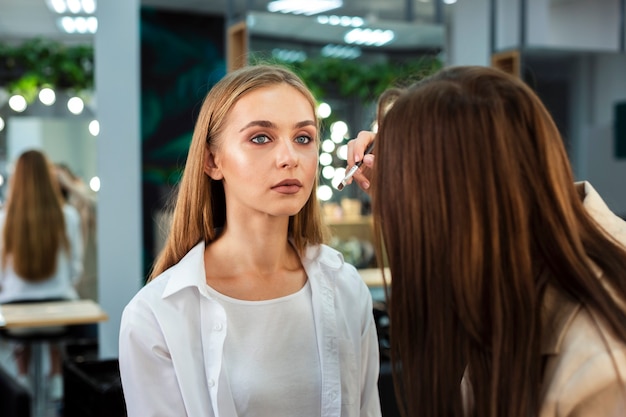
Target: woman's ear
<point x="210" y="166"/>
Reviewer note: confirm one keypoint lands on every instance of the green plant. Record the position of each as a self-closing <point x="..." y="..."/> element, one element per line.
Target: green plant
<point x="353" y="79"/>
<point x="37" y="63"/>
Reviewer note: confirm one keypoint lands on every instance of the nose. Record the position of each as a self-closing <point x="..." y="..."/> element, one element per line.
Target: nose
<point x="286" y="154"/>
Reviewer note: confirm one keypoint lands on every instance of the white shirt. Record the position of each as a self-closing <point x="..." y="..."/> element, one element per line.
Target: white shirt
<point x="62" y="284"/>
<point x="256" y="330"/>
<point x="172" y="337"/>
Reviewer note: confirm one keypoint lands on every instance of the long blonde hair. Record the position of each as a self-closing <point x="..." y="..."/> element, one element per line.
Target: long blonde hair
<point x="200" y="205"/>
<point x="34" y="226"/>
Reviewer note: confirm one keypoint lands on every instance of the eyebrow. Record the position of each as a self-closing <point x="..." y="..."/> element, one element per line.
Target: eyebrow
<point x="268" y="124"/>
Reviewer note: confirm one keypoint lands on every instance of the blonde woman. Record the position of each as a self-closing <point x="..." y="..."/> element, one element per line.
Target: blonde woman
<point x="247" y="312"/>
<point x="41" y="251"/>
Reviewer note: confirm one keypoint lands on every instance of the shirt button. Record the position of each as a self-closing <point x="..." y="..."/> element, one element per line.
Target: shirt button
<point x="218" y="326"/>
<point x="211" y="383"/>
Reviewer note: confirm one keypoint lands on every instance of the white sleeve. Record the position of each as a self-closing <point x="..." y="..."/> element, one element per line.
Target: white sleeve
<point x="370" y="361"/>
<point x="147" y="373"/>
<point x="75" y="238"/>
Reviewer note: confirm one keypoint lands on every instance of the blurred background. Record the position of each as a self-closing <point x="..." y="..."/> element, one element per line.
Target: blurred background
<point x="111" y="90"/>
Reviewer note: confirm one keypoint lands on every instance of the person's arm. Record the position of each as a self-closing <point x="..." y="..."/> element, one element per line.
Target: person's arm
<point x="75" y="238"/>
<point x="148" y="379"/>
<point x="356" y="153"/>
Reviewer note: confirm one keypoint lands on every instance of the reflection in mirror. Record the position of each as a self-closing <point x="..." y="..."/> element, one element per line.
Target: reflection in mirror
<point x="68" y="138"/>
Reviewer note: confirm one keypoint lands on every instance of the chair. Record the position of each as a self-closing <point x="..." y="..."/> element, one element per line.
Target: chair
<point x="14" y="398"/>
<point x="37" y="338"/>
<point x="37" y="341"/>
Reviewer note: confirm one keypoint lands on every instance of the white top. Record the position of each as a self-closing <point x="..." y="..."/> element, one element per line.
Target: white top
<point x="257" y="329"/>
<point x="61" y="285"/>
<point x="173" y="331"/>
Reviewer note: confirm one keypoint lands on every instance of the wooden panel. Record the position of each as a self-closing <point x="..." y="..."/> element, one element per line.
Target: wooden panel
<point x="237" y="44"/>
<point x="508" y="61"/>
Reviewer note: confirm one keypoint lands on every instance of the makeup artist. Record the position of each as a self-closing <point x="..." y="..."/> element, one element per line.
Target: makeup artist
<point x="508" y="290"/>
<point x="247" y="312"/>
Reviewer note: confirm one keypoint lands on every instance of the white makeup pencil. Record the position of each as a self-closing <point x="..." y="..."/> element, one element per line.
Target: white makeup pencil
<point x="354" y="169"/>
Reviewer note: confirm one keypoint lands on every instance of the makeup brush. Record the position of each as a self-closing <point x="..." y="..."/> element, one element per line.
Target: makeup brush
<point x="356" y="166"/>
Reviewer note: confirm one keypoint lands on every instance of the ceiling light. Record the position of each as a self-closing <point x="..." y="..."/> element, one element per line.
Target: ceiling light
<point x="325" y="159"/>
<point x="353" y="21"/>
<point x="369" y="37"/>
<point x="324" y="110"/>
<point x="94" y="127"/>
<point x="306" y="7"/>
<point x="57" y="6"/>
<point x="72" y="6"/>
<point x="328" y="172"/>
<point x="47" y="96"/>
<point x="324" y="192"/>
<point x="89" y="6"/>
<point x="328" y="145"/>
<point x="94" y="184"/>
<point x="78" y="24"/>
<point x="17" y="103"/>
<point x="289" y="55"/>
<point x="75" y="105"/>
<point x="341" y="51"/>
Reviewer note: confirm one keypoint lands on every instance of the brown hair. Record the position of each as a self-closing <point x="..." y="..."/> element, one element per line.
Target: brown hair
<point x="481" y="215"/>
<point x="34" y="226"/>
<point x="200" y="206"/>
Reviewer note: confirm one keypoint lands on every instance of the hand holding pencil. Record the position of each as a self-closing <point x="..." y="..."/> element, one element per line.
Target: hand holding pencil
<point x="359" y="157"/>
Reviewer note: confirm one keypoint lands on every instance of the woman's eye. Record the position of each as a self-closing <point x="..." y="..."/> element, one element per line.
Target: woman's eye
<point x="260" y="139"/>
<point x="303" y="139"/>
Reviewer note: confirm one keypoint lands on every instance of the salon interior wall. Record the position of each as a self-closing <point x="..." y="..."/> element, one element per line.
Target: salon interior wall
<point x="571" y="45"/>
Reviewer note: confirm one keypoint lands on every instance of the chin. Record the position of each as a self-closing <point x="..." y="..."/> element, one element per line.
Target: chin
<point x="288" y="211"/>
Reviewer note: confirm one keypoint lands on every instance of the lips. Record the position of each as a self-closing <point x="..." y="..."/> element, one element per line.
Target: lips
<point x="290" y="186"/>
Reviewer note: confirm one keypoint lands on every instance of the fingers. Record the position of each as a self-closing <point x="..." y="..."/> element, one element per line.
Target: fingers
<point x="356" y="147"/>
<point x="356" y="150"/>
<point x="362" y="178"/>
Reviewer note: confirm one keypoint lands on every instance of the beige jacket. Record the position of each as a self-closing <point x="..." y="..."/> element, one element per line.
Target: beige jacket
<point x="585" y="373"/>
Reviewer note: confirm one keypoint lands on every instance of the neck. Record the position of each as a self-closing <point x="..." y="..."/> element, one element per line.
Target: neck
<point x="262" y="249"/>
<point x="251" y="263"/>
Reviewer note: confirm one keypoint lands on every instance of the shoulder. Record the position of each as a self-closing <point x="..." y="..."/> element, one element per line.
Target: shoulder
<point x="147" y="305"/>
<point x="590" y="365"/>
<point x="324" y="262"/>
<point x="600" y="212"/>
<point x="330" y="261"/>
<point x="163" y="289"/>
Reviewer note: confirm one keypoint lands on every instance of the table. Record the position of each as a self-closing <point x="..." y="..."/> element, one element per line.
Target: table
<point x="40" y="316"/>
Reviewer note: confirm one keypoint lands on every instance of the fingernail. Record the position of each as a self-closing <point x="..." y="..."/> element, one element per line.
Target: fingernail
<point x="365" y="185"/>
